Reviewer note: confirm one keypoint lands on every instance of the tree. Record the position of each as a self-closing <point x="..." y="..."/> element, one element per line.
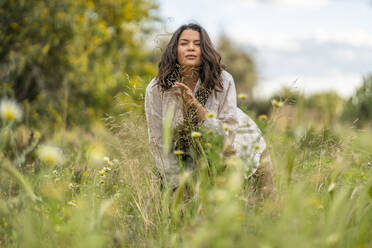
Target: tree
<point x="69" y="58"/>
<point x="328" y="104"/>
<point x="240" y="64"/>
<point x="358" y="108"/>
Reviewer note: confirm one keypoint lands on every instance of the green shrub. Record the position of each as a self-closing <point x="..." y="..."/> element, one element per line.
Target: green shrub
<point x="67" y="60"/>
<point x="320" y="142"/>
<point x="358" y="108"/>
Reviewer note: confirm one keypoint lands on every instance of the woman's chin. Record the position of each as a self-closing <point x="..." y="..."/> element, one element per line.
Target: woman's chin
<point x="191" y="64"/>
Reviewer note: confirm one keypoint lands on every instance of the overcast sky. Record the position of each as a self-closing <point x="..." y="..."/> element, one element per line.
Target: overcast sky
<point x="324" y="44"/>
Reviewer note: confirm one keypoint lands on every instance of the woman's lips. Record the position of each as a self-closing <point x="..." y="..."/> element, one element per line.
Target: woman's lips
<point x="191" y="57"/>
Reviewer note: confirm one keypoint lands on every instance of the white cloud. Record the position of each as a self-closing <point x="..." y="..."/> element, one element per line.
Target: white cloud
<point x="352" y="36"/>
<point x="291" y="42"/>
<point x="346" y="55"/>
<point x="301" y="3"/>
<point x="246" y="3"/>
<point x="285" y="3"/>
<point x="343" y="84"/>
<point x="275" y="41"/>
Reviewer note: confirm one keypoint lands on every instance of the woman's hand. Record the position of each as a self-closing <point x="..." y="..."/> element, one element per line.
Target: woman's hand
<point x="190" y="100"/>
<point x="187" y="94"/>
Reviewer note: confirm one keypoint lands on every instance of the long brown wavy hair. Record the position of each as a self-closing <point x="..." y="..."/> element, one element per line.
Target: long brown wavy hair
<point x="211" y="66"/>
<point x="210" y="76"/>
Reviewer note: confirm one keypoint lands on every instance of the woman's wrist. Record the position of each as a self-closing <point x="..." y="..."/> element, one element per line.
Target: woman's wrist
<point x="199" y="108"/>
<point x="201" y="111"/>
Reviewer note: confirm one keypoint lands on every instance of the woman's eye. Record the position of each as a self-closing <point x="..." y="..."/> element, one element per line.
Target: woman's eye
<point x="197" y="44"/>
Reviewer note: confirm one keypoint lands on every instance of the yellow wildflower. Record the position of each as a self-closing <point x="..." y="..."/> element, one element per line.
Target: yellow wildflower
<point x="210" y="115"/>
<point x="242" y="96"/>
<point x="178" y="152"/>
<point x="226" y="127"/>
<point x="85" y="174"/>
<point x="262" y="117"/>
<point x="277" y="104"/>
<point x="195" y="134"/>
<point x="256" y="147"/>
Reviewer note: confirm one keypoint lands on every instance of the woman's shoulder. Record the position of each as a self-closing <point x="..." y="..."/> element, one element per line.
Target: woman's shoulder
<point x="226" y="75"/>
<point x="227" y="79"/>
<point x="153" y="86"/>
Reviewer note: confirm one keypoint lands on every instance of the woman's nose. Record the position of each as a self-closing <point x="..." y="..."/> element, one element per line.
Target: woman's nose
<point x="191" y="46"/>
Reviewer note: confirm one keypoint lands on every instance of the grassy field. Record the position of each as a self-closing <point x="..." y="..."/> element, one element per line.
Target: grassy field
<point x="98" y="188"/>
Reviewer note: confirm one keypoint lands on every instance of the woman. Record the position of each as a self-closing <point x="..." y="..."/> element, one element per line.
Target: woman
<point x="192" y="79"/>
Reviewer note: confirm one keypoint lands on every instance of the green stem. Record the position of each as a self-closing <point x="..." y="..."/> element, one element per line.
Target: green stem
<point x="5" y="165"/>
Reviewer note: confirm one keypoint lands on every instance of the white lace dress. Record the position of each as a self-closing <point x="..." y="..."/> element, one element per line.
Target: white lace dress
<point x="244" y="135"/>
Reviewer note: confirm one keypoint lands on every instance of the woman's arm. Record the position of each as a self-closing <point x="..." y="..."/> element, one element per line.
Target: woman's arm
<point x="190" y="100"/>
<point x="226" y="120"/>
<point x="153" y="110"/>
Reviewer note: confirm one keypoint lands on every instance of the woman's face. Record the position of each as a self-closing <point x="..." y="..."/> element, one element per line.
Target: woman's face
<point x="188" y="48"/>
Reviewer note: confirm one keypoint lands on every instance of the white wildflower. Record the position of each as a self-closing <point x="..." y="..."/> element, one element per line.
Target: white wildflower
<point x="10" y="110"/>
<point x="50" y="154"/>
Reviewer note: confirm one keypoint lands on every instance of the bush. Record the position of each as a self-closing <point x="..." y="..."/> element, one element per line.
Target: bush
<point x="358" y="108"/>
<point x="66" y="60"/>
